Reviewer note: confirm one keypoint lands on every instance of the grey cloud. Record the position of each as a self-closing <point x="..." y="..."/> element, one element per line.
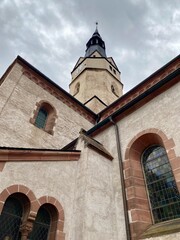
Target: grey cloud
<point x="140" y="35"/>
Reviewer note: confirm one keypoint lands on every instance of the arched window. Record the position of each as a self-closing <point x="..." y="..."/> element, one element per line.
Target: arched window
<point x="41" y="225"/>
<point x="77" y="88"/>
<point x="41" y="118"/>
<point x="44" y="117"/>
<point x="162" y="190"/>
<point x="114" y="90"/>
<point x="10" y="219"/>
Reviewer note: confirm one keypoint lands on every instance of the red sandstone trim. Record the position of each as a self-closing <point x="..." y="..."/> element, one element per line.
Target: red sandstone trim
<point x="141" y="88"/>
<point x="137" y="199"/>
<point x="51" y="119"/>
<point x="16" y="189"/>
<point x="9" y="155"/>
<point x="55" y="208"/>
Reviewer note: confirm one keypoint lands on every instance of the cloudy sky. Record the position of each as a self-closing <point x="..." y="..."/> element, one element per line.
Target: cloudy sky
<point x="141" y="35"/>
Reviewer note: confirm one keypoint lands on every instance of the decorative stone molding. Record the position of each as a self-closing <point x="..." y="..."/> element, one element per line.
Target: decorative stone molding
<point x="25" y="229"/>
<point x="25" y="155"/>
<point x="15" y="189"/>
<point x="57" y="216"/>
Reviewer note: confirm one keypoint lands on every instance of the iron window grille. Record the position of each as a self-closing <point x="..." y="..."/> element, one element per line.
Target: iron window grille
<point x="41" y="226"/>
<point x="10" y="219"/>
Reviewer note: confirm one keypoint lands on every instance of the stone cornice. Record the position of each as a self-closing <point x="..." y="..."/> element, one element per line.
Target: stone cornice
<point x="17" y="155"/>
<point x="95" y="145"/>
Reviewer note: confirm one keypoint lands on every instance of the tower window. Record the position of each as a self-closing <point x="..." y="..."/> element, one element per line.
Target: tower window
<point x="77" y="88"/>
<point x="163" y="193"/>
<point x="114" y="90"/>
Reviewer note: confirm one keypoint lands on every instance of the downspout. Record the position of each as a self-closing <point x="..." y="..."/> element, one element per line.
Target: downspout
<point x="122" y="179"/>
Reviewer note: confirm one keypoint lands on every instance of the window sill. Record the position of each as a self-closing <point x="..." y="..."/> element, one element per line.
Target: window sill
<point x="163" y="228"/>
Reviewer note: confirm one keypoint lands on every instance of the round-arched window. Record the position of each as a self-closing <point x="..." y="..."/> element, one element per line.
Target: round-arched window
<point x="162" y="189"/>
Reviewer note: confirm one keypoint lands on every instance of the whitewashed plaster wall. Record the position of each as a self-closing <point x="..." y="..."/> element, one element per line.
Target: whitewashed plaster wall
<point x="18" y="98"/>
<point x="162" y="113"/>
<point x="96" y="199"/>
<point x="108" y="139"/>
<point x="174" y="236"/>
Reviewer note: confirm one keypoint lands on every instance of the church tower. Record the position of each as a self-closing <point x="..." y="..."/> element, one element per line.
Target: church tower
<point x="95" y="77"/>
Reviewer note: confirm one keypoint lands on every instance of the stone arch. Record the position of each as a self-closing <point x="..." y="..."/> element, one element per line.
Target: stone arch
<point x="52" y="115"/>
<point x="26" y="197"/>
<point x="137" y="199"/>
<point x="31" y="207"/>
<point x="57" y="215"/>
<point x="16" y="189"/>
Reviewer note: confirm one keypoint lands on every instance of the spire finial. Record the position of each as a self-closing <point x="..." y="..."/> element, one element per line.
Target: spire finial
<point x="96" y="26"/>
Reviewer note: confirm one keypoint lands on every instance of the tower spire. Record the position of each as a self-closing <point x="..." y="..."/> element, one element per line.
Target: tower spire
<point x="96" y="26"/>
<point x="95" y="43"/>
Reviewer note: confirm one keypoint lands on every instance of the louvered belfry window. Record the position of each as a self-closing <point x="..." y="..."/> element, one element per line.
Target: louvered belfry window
<point x="41" y="118"/>
<point x="10" y="219"/>
<point x="162" y="189"/>
<point x="41" y="226"/>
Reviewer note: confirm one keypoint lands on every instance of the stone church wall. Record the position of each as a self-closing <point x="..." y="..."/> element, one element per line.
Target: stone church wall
<point x="18" y="98"/>
<point x="161" y="113"/>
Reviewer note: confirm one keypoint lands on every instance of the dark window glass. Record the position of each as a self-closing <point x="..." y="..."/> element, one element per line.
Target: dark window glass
<point x="163" y="193"/>
<point x="41" y="118"/>
<point x="10" y="220"/>
<point x="41" y="225"/>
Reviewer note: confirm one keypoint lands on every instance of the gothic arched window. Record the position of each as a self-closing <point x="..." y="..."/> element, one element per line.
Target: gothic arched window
<point x="41" y="225"/>
<point x="10" y="219"/>
<point x="162" y="189"/>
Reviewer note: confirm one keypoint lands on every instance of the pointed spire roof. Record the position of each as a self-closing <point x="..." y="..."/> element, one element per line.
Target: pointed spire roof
<point x="95" y="43"/>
